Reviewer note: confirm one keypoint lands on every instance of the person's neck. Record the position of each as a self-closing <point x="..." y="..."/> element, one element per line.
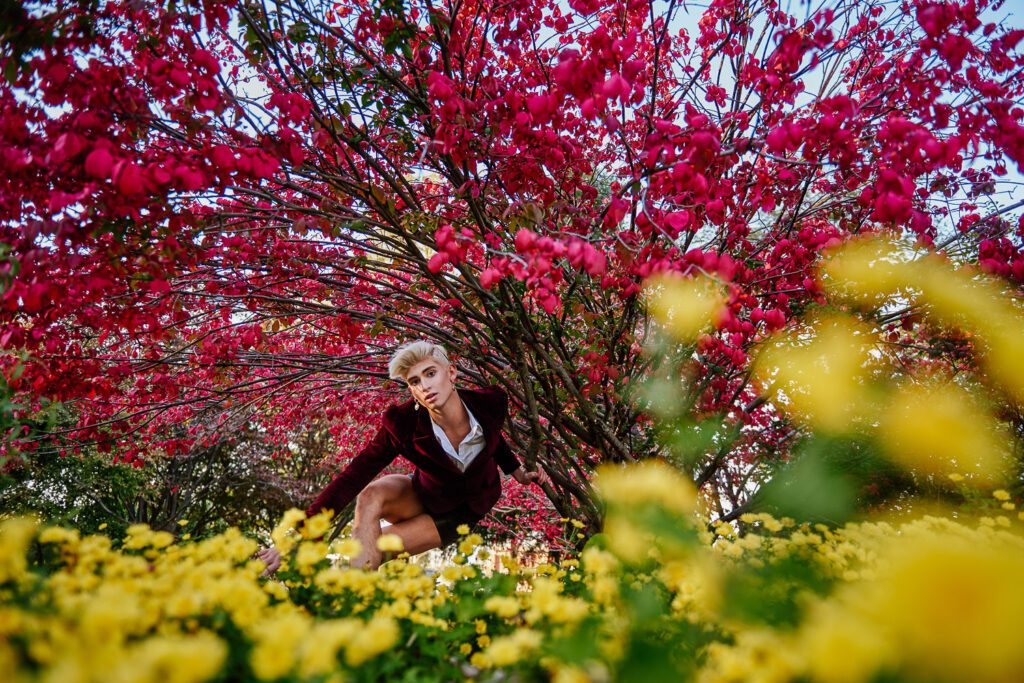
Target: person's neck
<point x="452" y="414"/>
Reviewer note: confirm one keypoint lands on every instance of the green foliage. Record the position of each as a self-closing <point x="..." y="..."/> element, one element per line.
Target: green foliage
<point x="87" y="491"/>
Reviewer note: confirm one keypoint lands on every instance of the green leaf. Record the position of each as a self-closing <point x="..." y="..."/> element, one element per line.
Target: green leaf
<point x="812" y="487"/>
<point x="11" y="70"/>
<point x="647" y="660"/>
<point x="299" y="32"/>
<point x="580" y="646"/>
<point x="772" y="594"/>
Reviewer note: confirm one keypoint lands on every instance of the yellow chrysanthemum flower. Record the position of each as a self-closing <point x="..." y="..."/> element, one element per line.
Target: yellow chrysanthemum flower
<point x="650" y="481"/>
<point x="951" y="607"/>
<point x="819" y="374"/>
<point x="942" y="429"/>
<point x="390" y="543"/>
<point x="377" y="636"/>
<point x="685" y="306"/>
<point x="508" y="650"/>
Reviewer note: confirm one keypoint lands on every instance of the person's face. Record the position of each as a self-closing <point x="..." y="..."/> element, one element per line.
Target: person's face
<point x="431" y="383"/>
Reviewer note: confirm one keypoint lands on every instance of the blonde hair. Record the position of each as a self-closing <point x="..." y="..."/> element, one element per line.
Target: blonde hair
<point x="412" y="353"/>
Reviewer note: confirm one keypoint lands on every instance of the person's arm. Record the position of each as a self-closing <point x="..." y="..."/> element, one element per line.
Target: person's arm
<point x="375" y="456"/>
<point x="509" y="464"/>
<point x="506" y="460"/>
<point x="525" y="478"/>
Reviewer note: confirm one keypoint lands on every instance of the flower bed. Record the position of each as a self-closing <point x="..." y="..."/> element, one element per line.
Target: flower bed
<point x="658" y="597"/>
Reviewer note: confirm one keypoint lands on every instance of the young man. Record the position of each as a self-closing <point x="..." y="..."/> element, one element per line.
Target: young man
<point x="452" y="437"/>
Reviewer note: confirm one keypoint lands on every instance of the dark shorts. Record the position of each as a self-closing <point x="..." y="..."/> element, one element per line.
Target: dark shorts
<point x="447" y="523"/>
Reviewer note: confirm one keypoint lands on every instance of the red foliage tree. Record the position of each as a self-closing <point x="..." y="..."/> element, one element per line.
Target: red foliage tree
<point x="213" y="207"/>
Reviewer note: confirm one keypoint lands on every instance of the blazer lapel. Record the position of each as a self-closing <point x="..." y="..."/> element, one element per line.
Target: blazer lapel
<point x="492" y="431"/>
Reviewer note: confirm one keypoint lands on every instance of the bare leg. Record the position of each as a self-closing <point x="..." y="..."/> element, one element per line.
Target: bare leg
<point x="391" y="498"/>
<point x="418" y="534"/>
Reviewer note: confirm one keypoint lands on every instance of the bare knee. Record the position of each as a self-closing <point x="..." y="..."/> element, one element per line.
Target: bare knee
<point x="370" y="501"/>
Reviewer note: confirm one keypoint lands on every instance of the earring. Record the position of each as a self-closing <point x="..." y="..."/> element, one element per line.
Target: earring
<point x="416" y="406"/>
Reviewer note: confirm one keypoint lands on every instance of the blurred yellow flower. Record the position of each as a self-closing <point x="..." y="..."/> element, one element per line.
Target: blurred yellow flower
<point x="841" y="647"/>
<point x="278" y="639"/>
<point x="570" y="674"/>
<point x="942" y="429"/>
<point x="331" y="580"/>
<point x="56" y="534"/>
<point x="470" y="543"/>
<point x="605" y="590"/>
<point x="318" y="525"/>
<point x="390" y="543"/>
<point x="598" y="561"/>
<point x="819" y="374"/>
<point x="685" y="306"/>
<point x="140" y="536"/>
<point x="871" y="270"/>
<point x="951" y="607"/>
<point x="309" y="555"/>
<point x="697" y="583"/>
<point x="347" y="547"/>
<point x="867" y="270"/>
<point x="628" y="541"/>
<point x="650" y="481"/>
<point x="508" y="650"/>
<point x="977" y="304"/>
<point x="171" y="659"/>
<point x="319" y="651"/>
<point x="547" y="602"/>
<point x="1002" y="344"/>
<point x="283" y="541"/>
<point x="276" y="590"/>
<point x="503" y="606"/>
<point x="378" y="635"/>
<point x="757" y="655"/>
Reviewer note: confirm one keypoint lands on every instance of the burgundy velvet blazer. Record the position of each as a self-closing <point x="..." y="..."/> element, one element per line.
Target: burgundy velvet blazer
<point x="440" y="484"/>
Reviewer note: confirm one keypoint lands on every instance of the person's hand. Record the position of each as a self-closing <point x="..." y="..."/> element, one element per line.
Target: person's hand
<point x="526" y="478"/>
<point x="271" y="558"/>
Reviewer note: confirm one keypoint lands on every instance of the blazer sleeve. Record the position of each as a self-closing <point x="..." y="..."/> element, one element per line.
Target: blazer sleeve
<point x="506" y="460"/>
<point x="368" y="463"/>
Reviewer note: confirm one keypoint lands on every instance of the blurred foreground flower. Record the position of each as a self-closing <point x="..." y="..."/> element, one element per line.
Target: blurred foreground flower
<point x="821" y="372"/>
<point x="826" y="375"/>
<point x="15" y="536"/>
<point x="283" y="534"/>
<point x="649" y="504"/>
<point x="649" y="482"/>
<point x="951" y="607"/>
<point x="390" y="543"/>
<point x="685" y="306"/>
<point x="873" y="271"/>
<point x="942" y="429"/>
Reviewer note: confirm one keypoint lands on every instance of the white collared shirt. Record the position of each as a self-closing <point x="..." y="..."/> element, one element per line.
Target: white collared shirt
<point x="470" y="446"/>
